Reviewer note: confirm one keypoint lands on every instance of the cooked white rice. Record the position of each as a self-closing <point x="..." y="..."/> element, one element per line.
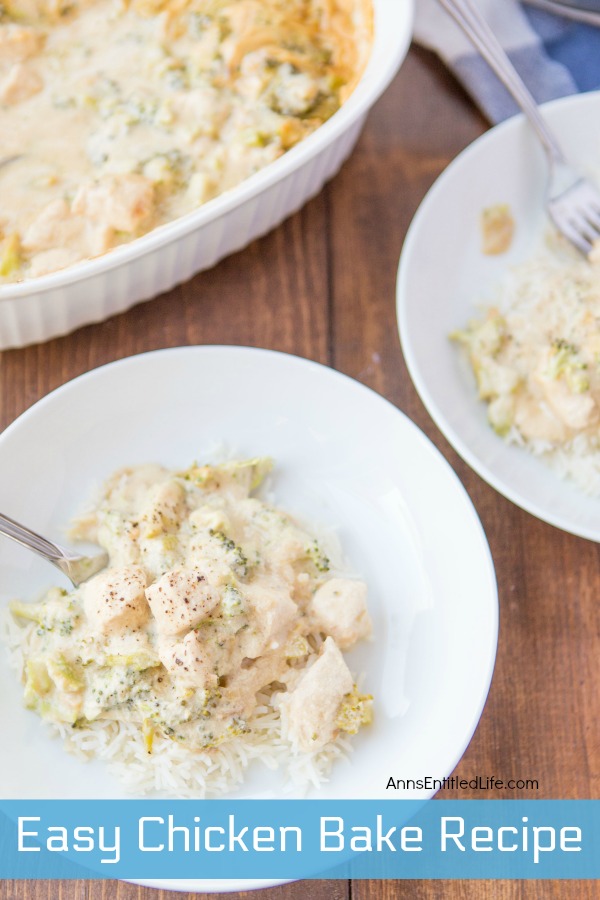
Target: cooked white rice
<point x="578" y="461"/>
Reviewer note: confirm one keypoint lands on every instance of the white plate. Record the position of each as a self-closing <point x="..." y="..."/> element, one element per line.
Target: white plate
<point x="54" y="304"/>
<point x="444" y="279"/>
<point x="345" y="457"/>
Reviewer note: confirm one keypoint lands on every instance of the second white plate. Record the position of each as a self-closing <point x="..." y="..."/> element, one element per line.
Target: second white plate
<point x="444" y="279"/>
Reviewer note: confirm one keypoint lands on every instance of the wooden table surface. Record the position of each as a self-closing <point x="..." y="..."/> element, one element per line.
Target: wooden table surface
<point x="322" y="286"/>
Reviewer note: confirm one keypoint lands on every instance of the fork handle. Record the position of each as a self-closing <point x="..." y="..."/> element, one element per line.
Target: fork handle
<point x="470" y="20"/>
<point x="588" y="16"/>
<point x="27" y="538"/>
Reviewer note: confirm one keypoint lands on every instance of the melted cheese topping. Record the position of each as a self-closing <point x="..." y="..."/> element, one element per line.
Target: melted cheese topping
<point x="117" y="117"/>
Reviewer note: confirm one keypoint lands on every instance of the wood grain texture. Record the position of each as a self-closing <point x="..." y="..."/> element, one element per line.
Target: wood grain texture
<point x="322" y="286"/>
<point x="117" y="890"/>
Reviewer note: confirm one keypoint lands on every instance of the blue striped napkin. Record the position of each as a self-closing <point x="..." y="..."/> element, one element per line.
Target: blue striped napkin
<point x="554" y="56"/>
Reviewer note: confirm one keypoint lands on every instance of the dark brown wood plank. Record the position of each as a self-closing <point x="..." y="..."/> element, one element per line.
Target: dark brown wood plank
<point x="475" y="890"/>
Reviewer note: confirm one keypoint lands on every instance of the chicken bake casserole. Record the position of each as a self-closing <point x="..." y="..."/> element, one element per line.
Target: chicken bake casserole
<point x="117" y="117"/>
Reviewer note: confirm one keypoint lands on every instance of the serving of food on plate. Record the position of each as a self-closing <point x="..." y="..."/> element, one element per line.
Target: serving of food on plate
<point x="536" y="357"/>
<point x="120" y="116"/>
<point x="214" y="638"/>
<point x="517" y="394"/>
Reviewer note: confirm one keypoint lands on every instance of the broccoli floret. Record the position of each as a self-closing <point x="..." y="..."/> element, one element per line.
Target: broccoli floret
<point x="238" y="559"/>
<point x="10" y="255"/>
<point x="233" y="602"/>
<point x="317" y="557"/>
<point x="356" y="710"/>
<point x="564" y="363"/>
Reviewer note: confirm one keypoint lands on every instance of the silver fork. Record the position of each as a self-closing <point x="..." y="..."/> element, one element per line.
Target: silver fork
<point x="560" y="8"/>
<point x="77" y="568"/>
<point x="10" y="159"/>
<point x="573" y="202"/>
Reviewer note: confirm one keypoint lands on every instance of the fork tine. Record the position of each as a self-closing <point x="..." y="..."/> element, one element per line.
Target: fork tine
<point x="594" y="201"/>
<point x="576" y="211"/>
<point x="572" y="202"/>
<point x="572" y="233"/>
<point x="580" y="220"/>
<point x="593" y="217"/>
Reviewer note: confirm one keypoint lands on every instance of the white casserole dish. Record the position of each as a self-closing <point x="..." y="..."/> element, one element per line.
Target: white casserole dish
<point x="90" y="291"/>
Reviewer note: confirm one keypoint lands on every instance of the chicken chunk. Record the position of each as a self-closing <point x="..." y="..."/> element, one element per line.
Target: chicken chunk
<point x="239" y="694"/>
<point x="56" y="227"/>
<point x="203" y="110"/>
<point x="537" y="421"/>
<point x="309" y="712"/>
<point x="577" y="410"/>
<point x="115" y="600"/>
<point x="52" y="260"/>
<point x="21" y="83"/>
<point x="180" y="600"/>
<point x="163" y="510"/>
<point x="497" y="229"/>
<point x="18" y="42"/>
<point x="273" y="614"/>
<point x="123" y="202"/>
<point x="190" y="660"/>
<point x="339" y="608"/>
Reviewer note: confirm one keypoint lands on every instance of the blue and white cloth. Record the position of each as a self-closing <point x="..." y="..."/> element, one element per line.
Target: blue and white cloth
<point x="555" y="56"/>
